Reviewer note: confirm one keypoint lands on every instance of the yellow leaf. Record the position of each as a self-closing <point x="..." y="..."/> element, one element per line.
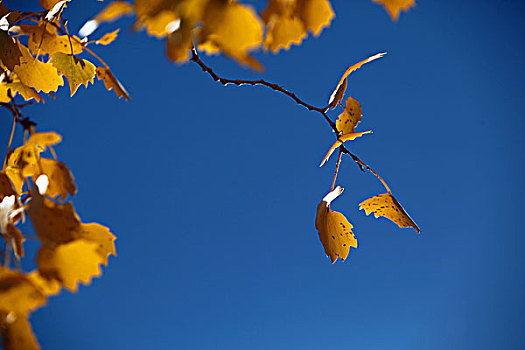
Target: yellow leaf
<point x="340" y="140"/>
<point x="111" y="82"/>
<point x="18" y="88"/>
<point x="282" y="32"/>
<point x="48" y="287"/>
<point x="339" y="91"/>
<point x="180" y="42"/>
<point x="10" y="54"/>
<point x="54" y="223"/>
<point x="159" y="25"/>
<point x="335" y="232"/>
<point x="18" y="293"/>
<point x="394" y="7"/>
<point x="351" y="116"/>
<point x="70" y="263"/>
<point x="113" y="11"/>
<point x="101" y="235"/>
<point x="108" y="38"/>
<point x="233" y="28"/>
<point x="387" y="206"/>
<point x="76" y="70"/>
<point x="316" y="14"/>
<point x="38" y="75"/>
<point x="49" y="4"/>
<point x="16" y="332"/>
<point x="43" y="39"/>
<point x="61" y="181"/>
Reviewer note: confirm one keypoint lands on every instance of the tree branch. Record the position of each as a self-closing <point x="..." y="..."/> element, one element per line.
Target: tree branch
<point x="362" y="165"/>
<point x="225" y="81"/>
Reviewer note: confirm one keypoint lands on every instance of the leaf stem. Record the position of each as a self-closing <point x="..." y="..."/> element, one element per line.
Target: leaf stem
<point x="336" y="169"/>
<point x="15" y="115"/>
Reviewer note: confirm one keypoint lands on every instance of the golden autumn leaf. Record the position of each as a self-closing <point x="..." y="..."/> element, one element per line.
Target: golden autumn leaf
<point x="10" y="54"/>
<point x="49" y="4"/>
<point x="100" y="235"/>
<point x="54" y="223"/>
<point x="386" y="205"/>
<point x="108" y="38"/>
<point x="111" y="82"/>
<point x="339" y="91"/>
<point x="36" y="74"/>
<point x="70" y="263"/>
<point x="77" y="70"/>
<point x="17" y="333"/>
<point x="113" y="11"/>
<point x="335" y="231"/>
<point x="18" y="88"/>
<point x="350" y="117"/>
<point x="232" y="28"/>
<point x="18" y="293"/>
<point x="283" y="32"/>
<point x="180" y="42"/>
<point x="316" y="14"/>
<point x="161" y="24"/>
<point x="48" y="287"/>
<point x="61" y="181"/>
<point x="394" y="7"/>
<point x="43" y="39"/>
<point x="340" y="140"/>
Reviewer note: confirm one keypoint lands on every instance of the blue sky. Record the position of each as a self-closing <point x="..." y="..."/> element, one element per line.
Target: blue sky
<point x="212" y="190"/>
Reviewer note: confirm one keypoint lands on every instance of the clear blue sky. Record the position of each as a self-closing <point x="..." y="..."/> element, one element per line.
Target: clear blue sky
<point x="212" y="191"/>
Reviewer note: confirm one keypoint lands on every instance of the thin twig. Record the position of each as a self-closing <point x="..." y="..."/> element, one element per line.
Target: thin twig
<point x="336" y="169"/>
<point x="225" y="81"/>
<point x="15" y="116"/>
<point x="362" y="165"/>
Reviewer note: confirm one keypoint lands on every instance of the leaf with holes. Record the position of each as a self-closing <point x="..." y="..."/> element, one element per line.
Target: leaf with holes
<point x="386" y="205"/>
<point x="112" y="83"/>
<point x="335" y="232"/>
<point x="351" y="116"/>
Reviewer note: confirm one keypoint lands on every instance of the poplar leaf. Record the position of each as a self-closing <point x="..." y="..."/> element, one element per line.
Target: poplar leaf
<point x="160" y="24"/>
<point x="316" y="14"/>
<point x="49" y="4"/>
<point x="54" y="223"/>
<point x="36" y="74"/>
<point x="386" y="205"/>
<point x="100" y="235"/>
<point x="394" y="7"/>
<point x="77" y="70"/>
<point x="335" y="231"/>
<point x="18" y="88"/>
<point x="179" y="43"/>
<point x="339" y="91"/>
<point x="351" y="116"/>
<point x="108" y="38"/>
<point x="61" y="181"/>
<point x="231" y="28"/>
<point x="48" y="287"/>
<point x="10" y="54"/>
<point x="43" y="39"/>
<point x="17" y="333"/>
<point x="18" y="293"/>
<point x="70" y="263"/>
<point x="113" y="11"/>
<point x="282" y="32"/>
<point x="343" y="138"/>
<point x="111" y="82"/>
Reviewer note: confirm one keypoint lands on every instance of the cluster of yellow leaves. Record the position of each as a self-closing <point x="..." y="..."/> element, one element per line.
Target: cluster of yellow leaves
<point x="48" y="56"/>
<point x="220" y="26"/>
<point x="70" y="252"/>
<point x="334" y="229"/>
